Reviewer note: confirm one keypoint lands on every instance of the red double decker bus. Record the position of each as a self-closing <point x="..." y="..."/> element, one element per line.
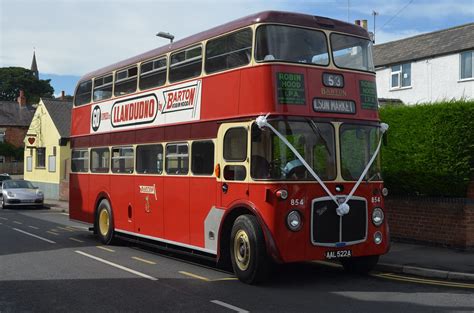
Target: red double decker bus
<point x="254" y="142"/>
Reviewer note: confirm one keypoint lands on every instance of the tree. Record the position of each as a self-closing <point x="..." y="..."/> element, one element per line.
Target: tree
<point x="14" y="79"/>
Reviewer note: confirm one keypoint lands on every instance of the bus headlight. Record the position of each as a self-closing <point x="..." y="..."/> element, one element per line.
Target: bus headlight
<point x="378" y="238"/>
<point x="293" y="220"/>
<point x="377" y="216"/>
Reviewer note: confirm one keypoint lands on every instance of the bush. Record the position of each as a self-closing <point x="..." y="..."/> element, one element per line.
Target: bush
<point x="430" y="148"/>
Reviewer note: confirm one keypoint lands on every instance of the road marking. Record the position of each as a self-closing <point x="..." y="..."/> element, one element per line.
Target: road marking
<point x="194" y="276"/>
<point x="117" y="266"/>
<point x="326" y="263"/>
<point x="2" y="218"/>
<point x="106" y="249"/>
<point x="63" y="228"/>
<point x="67" y="214"/>
<point x="229" y="306"/>
<point x="77" y="240"/>
<point x="225" y="279"/>
<point x="143" y="260"/>
<point x="33" y="227"/>
<point x="423" y="281"/>
<point x="19" y="223"/>
<point x="33" y="235"/>
<point x="52" y="232"/>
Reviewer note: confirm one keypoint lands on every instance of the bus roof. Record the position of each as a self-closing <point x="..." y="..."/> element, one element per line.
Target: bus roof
<point x="261" y="17"/>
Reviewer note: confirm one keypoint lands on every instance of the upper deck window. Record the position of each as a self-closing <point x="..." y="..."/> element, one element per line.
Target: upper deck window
<point x="352" y="52"/>
<point x="153" y="73"/>
<point x="103" y="87"/>
<point x="125" y="81"/>
<point x="229" y="51"/>
<point x="186" y="64"/>
<point x="83" y="93"/>
<point x="291" y="44"/>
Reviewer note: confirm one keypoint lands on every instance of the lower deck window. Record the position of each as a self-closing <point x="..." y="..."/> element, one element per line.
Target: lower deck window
<point x="177" y="159"/>
<point x="100" y="160"/>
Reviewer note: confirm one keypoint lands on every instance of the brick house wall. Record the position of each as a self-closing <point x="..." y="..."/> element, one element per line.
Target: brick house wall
<point x="438" y="221"/>
<point x="15" y="135"/>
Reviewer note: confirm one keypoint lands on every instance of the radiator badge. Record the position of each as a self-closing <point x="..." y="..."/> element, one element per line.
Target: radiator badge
<point x="322" y="210"/>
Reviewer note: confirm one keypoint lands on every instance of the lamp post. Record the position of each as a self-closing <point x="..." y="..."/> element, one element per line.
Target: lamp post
<point x="374" y="14"/>
<point x="166" y="36"/>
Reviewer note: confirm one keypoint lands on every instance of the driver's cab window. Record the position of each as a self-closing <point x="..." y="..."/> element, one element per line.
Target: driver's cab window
<point x="235" y="150"/>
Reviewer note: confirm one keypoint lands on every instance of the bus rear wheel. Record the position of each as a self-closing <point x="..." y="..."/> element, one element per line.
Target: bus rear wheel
<point x="360" y="265"/>
<point x="105" y="222"/>
<point x="247" y="250"/>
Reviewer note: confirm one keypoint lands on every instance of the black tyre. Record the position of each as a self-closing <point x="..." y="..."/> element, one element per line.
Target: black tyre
<point x="2" y="204"/>
<point x="360" y="265"/>
<point x="248" y="253"/>
<point x="105" y="222"/>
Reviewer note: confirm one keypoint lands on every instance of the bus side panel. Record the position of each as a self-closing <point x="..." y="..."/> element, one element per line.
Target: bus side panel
<point x="80" y="122"/>
<point x="98" y="183"/>
<point x="202" y="199"/>
<point x="121" y="191"/>
<point x="256" y="92"/>
<point x="79" y="205"/>
<point x="176" y="207"/>
<point x="227" y="86"/>
<point x="148" y="207"/>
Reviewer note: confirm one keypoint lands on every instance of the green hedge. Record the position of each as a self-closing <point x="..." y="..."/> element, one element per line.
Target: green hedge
<point x="430" y="148"/>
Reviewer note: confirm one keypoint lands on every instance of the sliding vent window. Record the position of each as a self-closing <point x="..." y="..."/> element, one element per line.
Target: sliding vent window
<point x="186" y="64"/>
<point x="125" y="81"/>
<point x="80" y="161"/>
<point x="150" y="159"/>
<point x="103" y="87"/>
<point x="229" y="51"/>
<point x="177" y="159"/>
<point x="83" y="93"/>
<point x="153" y="74"/>
<point x="122" y="160"/>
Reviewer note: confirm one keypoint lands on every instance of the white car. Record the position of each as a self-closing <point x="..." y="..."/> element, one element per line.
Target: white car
<point x="20" y="193"/>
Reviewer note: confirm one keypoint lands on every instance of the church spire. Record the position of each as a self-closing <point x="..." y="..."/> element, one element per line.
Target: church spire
<point x="34" y="66"/>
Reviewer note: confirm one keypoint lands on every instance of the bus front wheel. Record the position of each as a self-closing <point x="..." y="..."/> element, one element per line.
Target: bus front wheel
<point x="105" y="222"/>
<point x="360" y="265"/>
<point x="247" y="250"/>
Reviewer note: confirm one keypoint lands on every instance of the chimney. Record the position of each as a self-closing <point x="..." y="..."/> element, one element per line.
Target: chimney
<point x="21" y="99"/>
<point x="62" y="95"/>
<point x="364" y="24"/>
<point x="357" y="22"/>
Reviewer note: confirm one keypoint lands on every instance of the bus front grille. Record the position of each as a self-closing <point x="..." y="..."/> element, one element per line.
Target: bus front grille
<point x="330" y="229"/>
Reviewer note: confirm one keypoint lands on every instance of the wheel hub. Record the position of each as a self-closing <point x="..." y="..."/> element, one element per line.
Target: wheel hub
<point x="104" y="222"/>
<point x="242" y="250"/>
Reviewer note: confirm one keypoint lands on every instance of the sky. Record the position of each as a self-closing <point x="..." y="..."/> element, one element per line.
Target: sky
<point x="74" y="37"/>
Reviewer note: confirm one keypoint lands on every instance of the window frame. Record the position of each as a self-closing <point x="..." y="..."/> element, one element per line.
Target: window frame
<point x="177" y="144"/>
<point x="125" y="80"/>
<point x="120" y="157"/>
<point x="400" y="74"/>
<point x="85" y="160"/>
<point x="180" y="63"/>
<point x="91" y="159"/>
<point x="37" y="158"/>
<point x="94" y="87"/>
<point x="192" y="168"/>
<point x="153" y="71"/>
<point x="225" y="37"/>
<point x="461" y="79"/>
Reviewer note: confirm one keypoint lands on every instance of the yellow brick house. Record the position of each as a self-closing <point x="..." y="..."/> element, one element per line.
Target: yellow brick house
<point x="47" y="148"/>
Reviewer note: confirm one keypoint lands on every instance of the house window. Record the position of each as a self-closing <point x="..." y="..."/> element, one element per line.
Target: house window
<point x="41" y="157"/>
<point x="2" y="159"/>
<point x="467" y="70"/>
<point x="401" y="76"/>
<point x="2" y="136"/>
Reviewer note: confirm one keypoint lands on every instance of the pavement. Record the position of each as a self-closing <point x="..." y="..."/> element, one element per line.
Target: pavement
<point x="406" y="258"/>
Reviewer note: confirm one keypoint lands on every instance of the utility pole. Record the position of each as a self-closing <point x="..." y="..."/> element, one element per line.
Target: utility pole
<point x="374" y="13"/>
<point x="348" y="11"/>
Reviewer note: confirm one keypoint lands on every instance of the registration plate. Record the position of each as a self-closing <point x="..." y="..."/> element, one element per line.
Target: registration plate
<point x="338" y="254"/>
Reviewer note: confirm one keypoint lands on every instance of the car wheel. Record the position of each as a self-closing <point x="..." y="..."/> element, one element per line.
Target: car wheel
<point x="247" y="250"/>
<point x="360" y="265"/>
<point x="3" y="205"/>
<point x="105" y="222"/>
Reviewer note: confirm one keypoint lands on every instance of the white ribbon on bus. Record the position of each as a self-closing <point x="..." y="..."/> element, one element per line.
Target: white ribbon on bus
<point x="342" y="208"/>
